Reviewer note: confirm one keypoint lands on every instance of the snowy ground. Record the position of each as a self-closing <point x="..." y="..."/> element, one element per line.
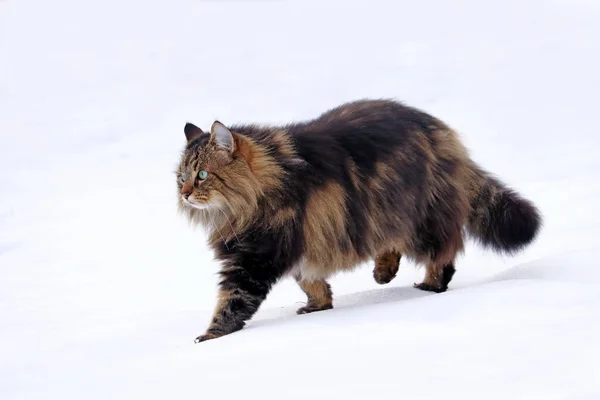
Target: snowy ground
<point x="101" y="293"/>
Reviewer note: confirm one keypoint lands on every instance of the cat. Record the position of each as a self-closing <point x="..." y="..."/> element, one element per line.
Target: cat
<point x="367" y="180"/>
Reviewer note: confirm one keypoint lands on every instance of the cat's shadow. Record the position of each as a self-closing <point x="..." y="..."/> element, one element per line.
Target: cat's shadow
<point x="344" y="302"/>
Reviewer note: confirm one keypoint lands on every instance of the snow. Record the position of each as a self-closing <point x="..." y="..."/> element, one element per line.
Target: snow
<point x="103" y="287"/>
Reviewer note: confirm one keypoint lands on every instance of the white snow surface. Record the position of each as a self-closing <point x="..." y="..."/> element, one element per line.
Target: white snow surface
<point x="103" y="286"/>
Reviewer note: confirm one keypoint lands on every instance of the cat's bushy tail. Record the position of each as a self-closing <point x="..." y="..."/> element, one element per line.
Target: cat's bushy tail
<point x="500" y="218"/>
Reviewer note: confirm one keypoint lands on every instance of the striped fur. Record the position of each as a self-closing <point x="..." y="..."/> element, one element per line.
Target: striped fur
<point x="368" y="180"/>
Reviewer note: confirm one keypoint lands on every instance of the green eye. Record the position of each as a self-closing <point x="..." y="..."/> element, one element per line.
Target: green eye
<point x="202" y="175"/>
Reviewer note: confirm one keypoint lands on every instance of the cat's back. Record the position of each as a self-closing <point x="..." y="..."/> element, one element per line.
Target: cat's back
<point x="361" y="122"/>
<point x="364" y="129"/>
<point x="367" y="117"/>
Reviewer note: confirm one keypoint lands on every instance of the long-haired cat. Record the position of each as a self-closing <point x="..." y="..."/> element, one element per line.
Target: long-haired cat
<point x="368" y="180"/>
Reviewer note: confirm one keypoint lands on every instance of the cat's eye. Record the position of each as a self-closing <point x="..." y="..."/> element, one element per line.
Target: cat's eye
<point x="202" y="175"/>
<point x="182" y="177"/>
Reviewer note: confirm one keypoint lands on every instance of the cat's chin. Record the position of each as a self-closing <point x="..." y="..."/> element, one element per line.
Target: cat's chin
<point x="198" y="206"/>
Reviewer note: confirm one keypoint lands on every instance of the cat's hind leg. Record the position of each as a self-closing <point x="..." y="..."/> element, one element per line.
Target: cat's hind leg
<point x="437" y="277"/>
<point x="440" y="242"/>
<point x="319" y="295"/>
<point x="386" y="267"/>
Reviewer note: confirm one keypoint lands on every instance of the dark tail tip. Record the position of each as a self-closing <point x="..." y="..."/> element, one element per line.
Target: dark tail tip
<point x="509" y="224"/>
<point x="517" y="221"/>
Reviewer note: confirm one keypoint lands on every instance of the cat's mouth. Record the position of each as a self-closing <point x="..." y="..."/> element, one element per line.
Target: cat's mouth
<point x="200" y="205"/>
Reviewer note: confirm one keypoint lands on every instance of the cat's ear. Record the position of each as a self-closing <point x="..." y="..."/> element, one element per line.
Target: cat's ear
<point x="222" y="136"/>
<point x="192" y="131"/>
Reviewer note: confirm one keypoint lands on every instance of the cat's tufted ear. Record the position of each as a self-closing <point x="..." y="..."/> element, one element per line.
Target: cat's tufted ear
<point x="192" y="131"/>
<point x="222" y="136"/>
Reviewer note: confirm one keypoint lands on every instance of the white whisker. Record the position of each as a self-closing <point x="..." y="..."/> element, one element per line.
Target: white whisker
<point x="233" y="230"/>
<point x="214" y="225"/>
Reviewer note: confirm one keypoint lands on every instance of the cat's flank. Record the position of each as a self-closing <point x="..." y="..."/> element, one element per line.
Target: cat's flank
<point x="368" y="180"/>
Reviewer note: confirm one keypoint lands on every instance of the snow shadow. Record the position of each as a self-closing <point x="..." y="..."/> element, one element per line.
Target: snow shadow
<point x="346" y="302"/>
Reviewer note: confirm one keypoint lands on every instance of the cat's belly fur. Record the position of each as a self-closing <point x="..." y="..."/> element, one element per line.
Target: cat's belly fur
<point x="309" y="270"/>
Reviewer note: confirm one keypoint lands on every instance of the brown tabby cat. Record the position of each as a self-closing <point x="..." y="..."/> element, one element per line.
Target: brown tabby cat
<point x="370" y="179"/>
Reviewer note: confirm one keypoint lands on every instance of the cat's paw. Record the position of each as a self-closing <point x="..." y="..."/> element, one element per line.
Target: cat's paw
<point x="430" y="288"/>
<point x="311" y="309"/>
<point x="206" y="336"/>
<point x="383" y="276"/>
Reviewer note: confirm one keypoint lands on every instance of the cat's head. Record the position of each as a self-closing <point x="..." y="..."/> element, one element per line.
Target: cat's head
<point x="207" y="173"/>
<point x="224" y="170"/>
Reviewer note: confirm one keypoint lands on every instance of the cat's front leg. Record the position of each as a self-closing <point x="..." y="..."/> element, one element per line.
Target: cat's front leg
<point x="240" y="295"/>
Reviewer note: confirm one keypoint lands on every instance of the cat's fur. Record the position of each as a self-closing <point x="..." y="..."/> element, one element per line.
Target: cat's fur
<point x="368" y="180"/>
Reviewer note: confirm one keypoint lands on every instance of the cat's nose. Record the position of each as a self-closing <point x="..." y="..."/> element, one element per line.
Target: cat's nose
<point x="186" y="192"/>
